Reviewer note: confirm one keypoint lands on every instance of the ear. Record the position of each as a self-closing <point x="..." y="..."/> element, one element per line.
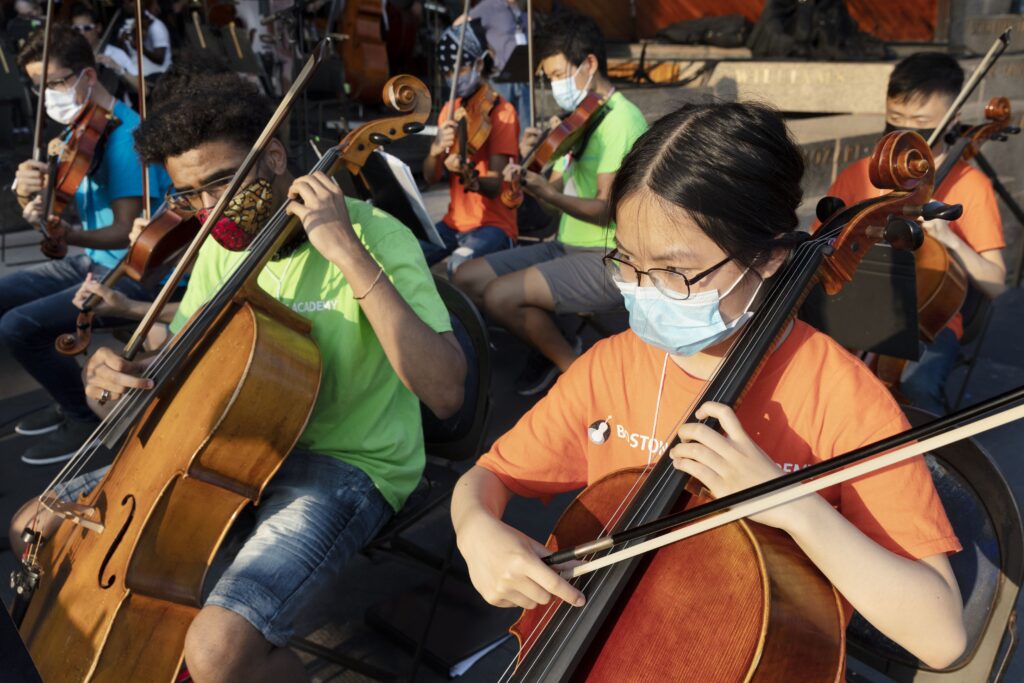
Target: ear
<point x="775" y="261"/>
<point x="276" y="157"/>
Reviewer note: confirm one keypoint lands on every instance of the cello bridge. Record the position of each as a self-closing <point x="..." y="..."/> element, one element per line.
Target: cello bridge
<point x="82" y="515"/>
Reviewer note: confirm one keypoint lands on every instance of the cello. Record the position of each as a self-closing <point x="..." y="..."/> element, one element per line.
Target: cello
<point x="133" y="572"/>
<point x="742" y="602"/>
<point x="941" y="281"/>
<point x="364" y="54"/>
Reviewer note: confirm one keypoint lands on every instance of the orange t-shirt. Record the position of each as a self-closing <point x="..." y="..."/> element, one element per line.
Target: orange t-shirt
<point x="981" y="226"/>
<point x="470" y="210"/>
<point x="812" y="400"/>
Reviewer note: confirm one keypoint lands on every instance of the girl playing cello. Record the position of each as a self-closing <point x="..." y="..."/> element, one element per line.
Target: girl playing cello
<point x="705" y="206"/>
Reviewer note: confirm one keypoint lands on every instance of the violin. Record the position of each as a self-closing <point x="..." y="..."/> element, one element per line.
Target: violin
<point x="570" y="135"/>
<point x="71" y="159"/>
<point x="474" y="119"/>
<point x="242" y="374"/>
<point x="740" y="602"/>
<point x="159" y="243"/>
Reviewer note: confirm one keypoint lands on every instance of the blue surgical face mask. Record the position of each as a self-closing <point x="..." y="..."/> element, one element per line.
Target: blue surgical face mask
<point x="566" y="94"/>
<point x="681" y="328"/>
<point x="467" y="83"/>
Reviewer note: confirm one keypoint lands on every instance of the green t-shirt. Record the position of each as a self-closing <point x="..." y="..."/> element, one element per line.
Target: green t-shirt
<point x="605" y="150"/>
<point x="363" y="415"/>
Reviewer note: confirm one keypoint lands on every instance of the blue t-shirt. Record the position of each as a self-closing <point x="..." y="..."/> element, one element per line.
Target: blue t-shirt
<point x="118" y="175"/>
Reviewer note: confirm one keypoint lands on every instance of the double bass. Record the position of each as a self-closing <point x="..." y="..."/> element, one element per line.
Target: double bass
<point x="116" y="592"/>
<point x="740" y="602"/>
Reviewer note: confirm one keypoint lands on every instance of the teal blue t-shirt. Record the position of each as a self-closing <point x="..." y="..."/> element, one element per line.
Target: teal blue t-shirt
<point x="119" y="174"/>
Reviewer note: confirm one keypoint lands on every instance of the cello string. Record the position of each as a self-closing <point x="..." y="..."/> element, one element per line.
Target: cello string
<point x="802" y="254"/>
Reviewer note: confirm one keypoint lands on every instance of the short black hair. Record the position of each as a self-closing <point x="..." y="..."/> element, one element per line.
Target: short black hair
<point x="732" y="166"/>
<point x="574" y="35"/>
<point x="67" y="46"/>
<point x="925" y="74"/>
<point x="80" y="10"/>
<point x="208" y="108"/>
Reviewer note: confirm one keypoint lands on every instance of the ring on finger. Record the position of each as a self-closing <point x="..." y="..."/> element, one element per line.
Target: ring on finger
<point x="104" y="396"/>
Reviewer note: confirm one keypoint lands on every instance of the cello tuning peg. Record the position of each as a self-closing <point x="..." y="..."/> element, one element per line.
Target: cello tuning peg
<point x="379" y="138"/>
<point x="1011" y="130"/>
<point x="828" y="207"/>
<point x="947" y="212"/>
<point x="412" y="127"/>
<point x="903" y="233"/>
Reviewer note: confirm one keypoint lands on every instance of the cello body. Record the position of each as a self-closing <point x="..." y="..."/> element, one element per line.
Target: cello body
<point x="741" y="603"/>
<point x="941" y="287"/>
<point x="115" y="605"/>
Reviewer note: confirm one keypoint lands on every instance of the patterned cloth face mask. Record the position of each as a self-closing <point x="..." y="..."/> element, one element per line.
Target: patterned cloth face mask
<point x="245" y="213"/>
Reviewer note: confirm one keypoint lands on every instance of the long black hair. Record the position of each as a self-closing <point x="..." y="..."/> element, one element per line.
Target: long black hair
<point x="732" y="166"/>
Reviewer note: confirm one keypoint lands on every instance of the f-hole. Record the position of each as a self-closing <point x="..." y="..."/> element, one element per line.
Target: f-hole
<point x="117" y="542"/>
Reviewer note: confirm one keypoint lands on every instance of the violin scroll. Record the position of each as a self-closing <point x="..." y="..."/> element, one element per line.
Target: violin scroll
<point x="77" y="342"/>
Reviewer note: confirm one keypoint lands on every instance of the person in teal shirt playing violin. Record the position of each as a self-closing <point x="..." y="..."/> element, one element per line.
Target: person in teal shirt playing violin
<point x="35" y="302"/>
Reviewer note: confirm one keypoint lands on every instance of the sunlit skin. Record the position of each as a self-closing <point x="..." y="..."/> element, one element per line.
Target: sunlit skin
<point x="916" y="603"/>
<point x="986" y="270"/>
<point x="31" y="174"/>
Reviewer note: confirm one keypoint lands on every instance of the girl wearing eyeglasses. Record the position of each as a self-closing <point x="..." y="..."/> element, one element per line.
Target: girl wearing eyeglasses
<point x="705" y="204"/>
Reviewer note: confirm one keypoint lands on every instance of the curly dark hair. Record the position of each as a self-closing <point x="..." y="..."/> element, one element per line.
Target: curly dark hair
<point x="732" y="166"/>
<point x="574" y="35"/>
<point x="206" y="108"/>
<point x="67" y="46"/>
<point x="188" y="66"/>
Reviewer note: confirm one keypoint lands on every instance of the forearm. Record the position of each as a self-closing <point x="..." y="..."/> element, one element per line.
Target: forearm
<point x="589" y="210"/>
<point x="405" y="338"/>
<point x="155" y="55"/>
<point x="111" y="237"/>
<point x="478" y="493"/>
<point x="909" y="601"/>
<point x="432" y="168"/>
<point x="988" y="277"/>
<point x="489" y="186"/>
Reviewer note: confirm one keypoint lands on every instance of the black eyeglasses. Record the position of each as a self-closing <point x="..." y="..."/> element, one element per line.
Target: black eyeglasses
<point x="192" y="201"/>
<point x="669" y="281"/>
<point x="56" y="83"/>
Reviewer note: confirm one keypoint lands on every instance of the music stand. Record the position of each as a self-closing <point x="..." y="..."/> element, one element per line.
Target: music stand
<point x="517" y="68"/>
<point x="876" y="311"/>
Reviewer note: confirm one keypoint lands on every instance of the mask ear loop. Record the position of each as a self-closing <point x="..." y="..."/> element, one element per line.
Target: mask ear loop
<point x="657" y="411"/>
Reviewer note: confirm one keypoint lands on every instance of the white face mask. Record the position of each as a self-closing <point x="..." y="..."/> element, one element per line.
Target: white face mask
<point x="61" y="105"/>
<point x="566" y="94"/>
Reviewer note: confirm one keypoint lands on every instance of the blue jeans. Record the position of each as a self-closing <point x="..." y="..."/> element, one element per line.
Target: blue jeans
<point x="518" y="94"/>
<point x="464" y="246"/>
<point x="36" y="308"/>
<point x="313" y="516"/>
<point x="924" y="382"/>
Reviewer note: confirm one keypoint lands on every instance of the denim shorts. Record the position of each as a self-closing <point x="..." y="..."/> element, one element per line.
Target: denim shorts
<point x="315" y="514"/>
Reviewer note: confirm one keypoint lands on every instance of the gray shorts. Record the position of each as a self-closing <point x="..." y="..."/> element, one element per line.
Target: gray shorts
<point x="575" y="275"/>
